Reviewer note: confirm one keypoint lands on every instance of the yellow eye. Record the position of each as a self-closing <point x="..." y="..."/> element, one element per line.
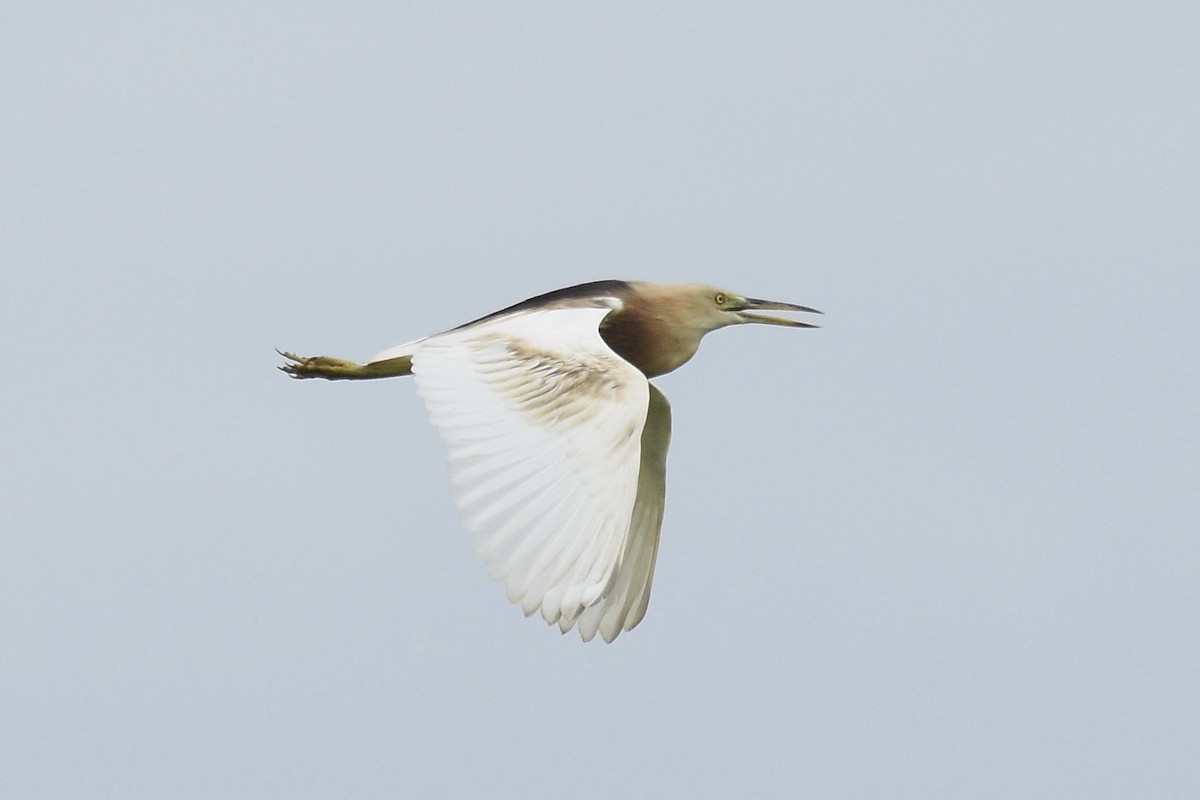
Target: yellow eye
<point x="719" y="299"/>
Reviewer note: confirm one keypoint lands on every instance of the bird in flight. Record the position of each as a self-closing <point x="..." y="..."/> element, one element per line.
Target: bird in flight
<point x="557" y="440"/>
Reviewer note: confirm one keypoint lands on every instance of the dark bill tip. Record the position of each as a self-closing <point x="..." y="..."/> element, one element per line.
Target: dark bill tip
<point x="773" y="305"/>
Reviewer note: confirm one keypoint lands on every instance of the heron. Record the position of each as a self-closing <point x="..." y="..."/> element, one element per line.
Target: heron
<point x="557" y="441"/>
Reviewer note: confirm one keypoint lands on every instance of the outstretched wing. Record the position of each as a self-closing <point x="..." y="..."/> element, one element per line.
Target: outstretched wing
<point x="543" y="423"/>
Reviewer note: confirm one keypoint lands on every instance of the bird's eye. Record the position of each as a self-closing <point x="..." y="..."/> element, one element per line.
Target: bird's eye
<point x="719" y="299"/>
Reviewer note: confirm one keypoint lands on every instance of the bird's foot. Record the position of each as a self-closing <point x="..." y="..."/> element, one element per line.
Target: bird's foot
<point x="320" y="367"/>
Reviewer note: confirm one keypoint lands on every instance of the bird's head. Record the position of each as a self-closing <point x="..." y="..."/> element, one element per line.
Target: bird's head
<point x="703" y="308"/>
<point x="740" y="309"/>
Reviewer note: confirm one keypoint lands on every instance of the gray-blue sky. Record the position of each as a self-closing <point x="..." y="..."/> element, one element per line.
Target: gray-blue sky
<point x="944" y="547"/>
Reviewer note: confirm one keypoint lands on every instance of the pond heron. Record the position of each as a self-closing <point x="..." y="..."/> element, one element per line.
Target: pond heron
<point x="557" y="441"/>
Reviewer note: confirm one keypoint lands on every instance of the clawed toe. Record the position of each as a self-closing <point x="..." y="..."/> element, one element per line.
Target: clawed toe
<point x="299" y="366"/>
<point x="318" y="366"/>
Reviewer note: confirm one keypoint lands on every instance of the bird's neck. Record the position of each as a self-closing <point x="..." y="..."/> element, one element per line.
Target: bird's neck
<point x="648" y="342"/>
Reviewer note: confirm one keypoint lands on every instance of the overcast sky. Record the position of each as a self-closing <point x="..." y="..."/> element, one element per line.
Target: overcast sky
<point x="947" y="546"/>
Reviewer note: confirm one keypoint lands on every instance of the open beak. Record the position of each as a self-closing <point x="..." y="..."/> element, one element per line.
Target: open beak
<point x="750" y="304"/>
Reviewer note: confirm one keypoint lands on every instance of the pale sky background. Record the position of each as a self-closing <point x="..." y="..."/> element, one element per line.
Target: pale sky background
<point x="945" y="547"/>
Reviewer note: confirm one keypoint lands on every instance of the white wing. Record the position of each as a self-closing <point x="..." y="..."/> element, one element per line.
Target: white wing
<point x="543" y="423"/>
<point x="624" y="606"/>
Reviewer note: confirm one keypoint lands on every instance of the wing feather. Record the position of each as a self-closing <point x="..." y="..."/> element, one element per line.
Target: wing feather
<point x="544" y="427"/>
<point x="625" y="605"/>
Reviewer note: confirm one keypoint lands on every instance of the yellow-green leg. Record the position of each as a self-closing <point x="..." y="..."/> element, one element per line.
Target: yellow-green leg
<point x="340" y="369"/>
